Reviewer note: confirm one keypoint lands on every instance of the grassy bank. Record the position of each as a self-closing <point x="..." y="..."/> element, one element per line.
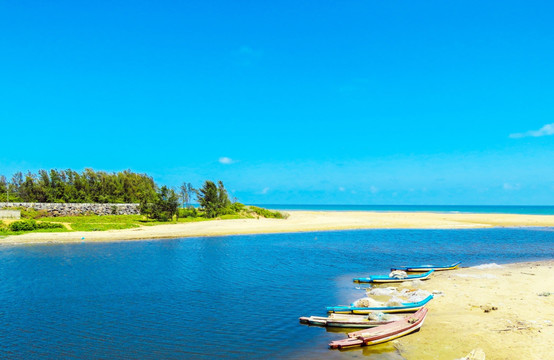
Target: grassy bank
<point x="113" y="222"/>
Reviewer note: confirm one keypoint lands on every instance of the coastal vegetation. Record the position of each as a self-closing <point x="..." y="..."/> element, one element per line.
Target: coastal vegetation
<point x="158" y="204"/>
<point x="69" y="186"/>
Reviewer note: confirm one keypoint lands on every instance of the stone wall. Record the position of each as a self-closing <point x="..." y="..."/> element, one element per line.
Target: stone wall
<point x="10" y="214"/>
<point x="70" y="209"/>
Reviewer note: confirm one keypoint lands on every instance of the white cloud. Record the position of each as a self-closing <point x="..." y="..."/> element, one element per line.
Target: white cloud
<point x="373" y="189"/>
<point x="226" y="160"/>
<point x="265" y="190"/>
<point x="547" y="129"/>
<point x="341" y="188"/>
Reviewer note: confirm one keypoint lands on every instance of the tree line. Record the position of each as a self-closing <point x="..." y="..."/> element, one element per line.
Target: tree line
<point x="89" y="186"/>
<point x="69" y="186"/>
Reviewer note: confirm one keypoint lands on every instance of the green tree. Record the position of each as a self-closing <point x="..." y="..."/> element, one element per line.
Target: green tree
<point x="208" y="198"/>
<point x="165" y="205"/>
<point x="222" y="196"/>
<point x="187" y="191"/>
<point x="213" y="199"/>
<point x="89" y="186"/>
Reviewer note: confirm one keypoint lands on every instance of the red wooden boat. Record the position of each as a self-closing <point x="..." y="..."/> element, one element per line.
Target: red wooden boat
<point x="382" y="333"/>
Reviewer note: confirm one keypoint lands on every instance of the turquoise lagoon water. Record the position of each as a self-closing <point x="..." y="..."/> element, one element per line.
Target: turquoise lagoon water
<point x="233" y="297"/>
<point x="480" y="209"/>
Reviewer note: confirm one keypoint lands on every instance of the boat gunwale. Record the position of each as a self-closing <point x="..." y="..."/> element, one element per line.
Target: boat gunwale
<point x="388" y="279"/>
<point x="425" y="268"/>
<point x="403" y="308"/>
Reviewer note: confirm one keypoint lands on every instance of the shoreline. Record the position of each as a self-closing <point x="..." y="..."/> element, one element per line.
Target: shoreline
<point x="505" y="310"/>
<point x="298" y="221"/>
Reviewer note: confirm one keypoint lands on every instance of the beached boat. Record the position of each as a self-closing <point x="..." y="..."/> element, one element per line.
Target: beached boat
<point x="348" y="321"/>
<point x="405" y="307"/>
<point x="389" y="279"/>
<point x="424" y="268"/>
<point x="383" y="333"/>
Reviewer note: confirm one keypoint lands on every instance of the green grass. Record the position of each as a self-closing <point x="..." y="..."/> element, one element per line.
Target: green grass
<point x="116" y="222"/>
<point x="110" y="222"/>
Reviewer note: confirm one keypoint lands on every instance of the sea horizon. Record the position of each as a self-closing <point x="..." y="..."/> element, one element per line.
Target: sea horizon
<point x="480" y="209"/>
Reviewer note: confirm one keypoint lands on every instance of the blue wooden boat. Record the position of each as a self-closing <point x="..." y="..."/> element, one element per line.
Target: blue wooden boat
<point x="405" y="307"/>
<point x="388" y="279"/>
<point x="424" y="268"/>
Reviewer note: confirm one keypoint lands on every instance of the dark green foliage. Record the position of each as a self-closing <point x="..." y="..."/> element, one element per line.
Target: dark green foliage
<point x="23" y="225"/>
<point x="237" y="207"/>
<point x="163" y="207"/>
<point x="208" y="198"/>
<point x="266" y="213"/>
<point x="30" y="225"/>
<point x="88" y="186"/>
<point x="214" y="199"/>
<point x="187" y="213"/>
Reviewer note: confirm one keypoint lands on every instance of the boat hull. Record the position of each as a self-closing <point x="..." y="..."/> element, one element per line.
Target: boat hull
<point x="381" y="334"/>
<point x="425" y="268"/>
<point x="386" y="279"/>
<point x="361" y="323"/>
<point x="406" y="307"/>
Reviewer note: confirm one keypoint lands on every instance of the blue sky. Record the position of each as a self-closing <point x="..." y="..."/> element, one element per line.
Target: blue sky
<point x="342" y="102"/>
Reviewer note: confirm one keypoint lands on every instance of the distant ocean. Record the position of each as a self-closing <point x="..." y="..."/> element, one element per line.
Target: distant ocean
<point x="481" y="209"/>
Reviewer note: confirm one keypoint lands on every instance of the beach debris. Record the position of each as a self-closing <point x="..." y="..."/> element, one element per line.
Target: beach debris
<point x="398" y="274"/>
<point x="545" y="293"/>
<point x="475" y="354"/>
<point x="488" y="308"/>
<point x="437" y="293"/>
<point x="520" y="325"/>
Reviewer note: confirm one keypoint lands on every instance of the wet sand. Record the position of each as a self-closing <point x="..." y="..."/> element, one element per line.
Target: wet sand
<point x="464" y="319"/>
<point x="298" y="221"/>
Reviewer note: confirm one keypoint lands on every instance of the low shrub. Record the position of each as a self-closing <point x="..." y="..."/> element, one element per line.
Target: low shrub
<point x="49" y="225"/>
<point x="30" y="225"/>
<point x="33" y="214"/>
<point x="188" y="213"/>
<point x="266" y="213"/>
<point x="23" y="225"/>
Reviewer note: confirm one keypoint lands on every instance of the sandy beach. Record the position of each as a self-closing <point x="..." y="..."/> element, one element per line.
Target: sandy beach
<point x="298" y="221"/>
<point x="507" y="311"/>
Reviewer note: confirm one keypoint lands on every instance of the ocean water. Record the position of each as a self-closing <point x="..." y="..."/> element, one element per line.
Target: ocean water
<point x="480" y="209"/>
<point x="233" y="297"/>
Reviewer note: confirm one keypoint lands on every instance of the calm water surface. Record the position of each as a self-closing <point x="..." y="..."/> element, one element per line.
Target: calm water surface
<point x="221" y="297"/>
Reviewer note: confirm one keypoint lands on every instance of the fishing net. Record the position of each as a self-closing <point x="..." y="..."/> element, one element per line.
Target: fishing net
<point x="382" y="291"/>
<point x="367" y="302"/>
<point x="418" y="295"/>
<point x="394" y="301"/>
<point x="398" y="274"/>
